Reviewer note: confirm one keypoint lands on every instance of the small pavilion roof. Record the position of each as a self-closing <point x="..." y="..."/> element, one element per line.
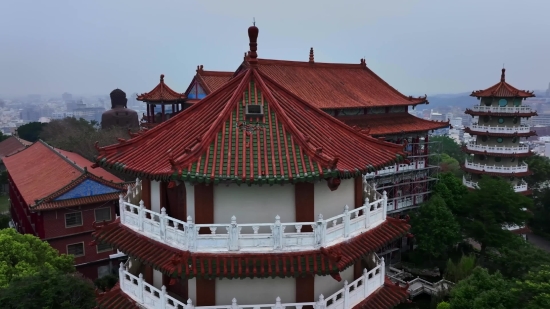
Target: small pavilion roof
<point x="288" y="140"/>
<point x="161" y="94"/>
<point x="42" y="174"/>
<point x="12" y="145"/>
<point x="502" y="90"/>
<point x="210" y="81"/>
<point x="393" y="123"/>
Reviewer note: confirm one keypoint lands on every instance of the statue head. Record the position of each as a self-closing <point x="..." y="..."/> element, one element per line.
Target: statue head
<point x="118" y="98"/>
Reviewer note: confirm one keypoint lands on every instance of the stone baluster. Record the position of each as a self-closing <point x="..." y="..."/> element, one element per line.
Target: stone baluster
<point x="162" y="297"/>
<point x="366" y="213"/>
<point x="346" y="221"/>
<point x="129" y="193"/>
<point x="384" y="204"/>
<point x="189" y="304"/>
<point x="278" y="303"/>
<point x="140" y="288"/>
<point x="233" y="231"/>
<point x="277" y="233"/>
<point x="320" y="231"/>
<point x="382" y="271"/>
<point x="121" y="277"/>
<point x="346" y="294"/>
<point x="162" y="219"/>
<point x="365" y="283"/>
<point x="141" y="215"/>
<point x="234" y="304"/>
<point x="121" y="207"/>
<point x="321" y="302"/>
<point x="190" y="234"/>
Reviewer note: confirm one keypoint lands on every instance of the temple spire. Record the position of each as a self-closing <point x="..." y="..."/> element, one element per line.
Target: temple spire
<point x="311" y="58"/>
<point x="253" y="37"/>
<point x="503" y="75"/>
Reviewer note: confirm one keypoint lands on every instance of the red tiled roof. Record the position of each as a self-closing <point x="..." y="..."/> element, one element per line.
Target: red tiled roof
<point x="387" y="296"/>
<point x="161" y="93"/>
<point x="334" y="85"/>
<point x="115" y="299"/>
<point x="291" y="141"/>
<point x="41" y="173"/>
<point x="11" y="145"/>
<point x="210" y="81"/>
<point x="502" y="90"/>
<point x="392" y="123"/>
<point x="185" y="264"/>
<point x="82" y="162"/>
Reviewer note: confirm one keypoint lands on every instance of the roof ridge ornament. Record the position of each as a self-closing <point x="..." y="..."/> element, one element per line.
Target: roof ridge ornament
<point x="503" y="75"/>
<point x="162" y="78"/>
<point x="253" y="37"/>
<point x="311" y="56"/>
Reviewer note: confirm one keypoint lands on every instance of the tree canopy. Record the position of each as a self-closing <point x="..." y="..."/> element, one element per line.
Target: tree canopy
<point x="31" y="131"/>
<point x="447" y="145"/>
<point x="24" y="255"/>
<point x="434" y="227"/>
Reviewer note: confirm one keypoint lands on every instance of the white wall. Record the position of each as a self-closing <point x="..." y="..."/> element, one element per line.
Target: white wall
<point x="190" y="196"/>
<point x="253" y="204"/>
<point x="155" y="196"/>
<point x="192" y="290"/>
<point x="157" y="279"/>
<point x="255" y="291"/>
<point x="331" y="203"/>
<point x="327" y="285"/>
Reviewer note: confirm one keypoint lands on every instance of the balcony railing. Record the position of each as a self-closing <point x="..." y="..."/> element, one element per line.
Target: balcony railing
<point x="392" y="169"/>
<point x="507" y="109"/>
<point x="495" y="149"/>
<point x="520" y="187"/>
<point x="399" y="203"/>
<point x="523" y="167"/>
<point x="503" y="130"/>
<point x="254" y="237"/>
<point x="347" y="297"/>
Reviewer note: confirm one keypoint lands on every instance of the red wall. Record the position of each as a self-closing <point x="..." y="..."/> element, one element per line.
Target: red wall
<point x="90" y="252"/>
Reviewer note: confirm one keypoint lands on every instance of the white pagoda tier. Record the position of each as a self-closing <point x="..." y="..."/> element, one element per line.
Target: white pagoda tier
<point x="252" y="198"/>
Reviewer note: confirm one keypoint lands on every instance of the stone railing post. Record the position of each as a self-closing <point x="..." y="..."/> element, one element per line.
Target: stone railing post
<point x="190" y="234"/>
<point x="382" y="271"/>
<point x="346" y="294"/>
<point x="162" y="219"/>
<point x="162" y="297"/>
<point x="277" y="233"/>
<point x="233" y="231"/>
<point x="140" y="288"/>
<point x="320" y="231"/>
<point x="234" y="304"/>
<point x="121" y="207"/>
<point x="189" y="304"/>
<point x="121" y="277"/>
<point x="365" y="283"/>
<point x="141" y="215"/>
<point x="346" y="221"/>
<point x="366" y="213"/>
<point x="321" y="302"/>
<point x="384" y="204"/>
<point x="278" y="303"/>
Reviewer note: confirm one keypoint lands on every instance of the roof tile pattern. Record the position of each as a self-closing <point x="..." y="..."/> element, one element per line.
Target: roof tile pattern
<point x="291" y="141"/>
<point x="115" y="299"/>
<point x="387" y="296"/>
<point x="210" y="81"/>
<point x="502" y="90"/>
<point x="335" y="85"/>
<point x="161" y="93"/>
<point x="392" y="123"/>
<point x="12" y="145"/>
<point x="178" y="263"/>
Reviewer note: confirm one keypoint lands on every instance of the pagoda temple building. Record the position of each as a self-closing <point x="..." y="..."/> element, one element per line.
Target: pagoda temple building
<point x="499" y="123"/>
<point x="204" y="83"/>
<point x="260" y="200"/>
<point x="162" y="104"/>
<point x="354" y="94"/>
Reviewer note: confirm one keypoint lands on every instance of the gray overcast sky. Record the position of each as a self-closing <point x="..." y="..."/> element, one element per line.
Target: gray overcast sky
<point x="423" y="46"/>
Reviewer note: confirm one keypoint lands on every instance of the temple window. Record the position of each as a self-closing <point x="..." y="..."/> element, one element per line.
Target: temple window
<point x="517" y="102"/>
<point x="499" y="140"/>
<point x="102" y="214"/>
<point x="376" y="110"/>
<point x="502" y="102"/>
<point x="500" y="120"/>
<point x="398" y="109"/>
<point x="73" y="219"/>
<point x="351" y="111"/>
<point x="102" y="247"/>
<point x="76" y="249"/>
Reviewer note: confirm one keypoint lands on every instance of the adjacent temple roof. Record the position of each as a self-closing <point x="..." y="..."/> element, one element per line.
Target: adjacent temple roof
<point x="161" y="94"/>
<point x="12" y="145"/>
<point x="392" y="123"/>
<point x="252" y="130"/>
<point x="206" y="82"/>
<point x="48" y="178"/>
<point x="502" y="90"/>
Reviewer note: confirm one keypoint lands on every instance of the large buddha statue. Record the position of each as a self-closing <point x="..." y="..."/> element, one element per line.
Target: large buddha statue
<point x="119" y="115"/>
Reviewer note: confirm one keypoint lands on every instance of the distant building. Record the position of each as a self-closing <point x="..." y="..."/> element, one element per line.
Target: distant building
<point x="56" y="196"/>
<point x="67" y="97"/>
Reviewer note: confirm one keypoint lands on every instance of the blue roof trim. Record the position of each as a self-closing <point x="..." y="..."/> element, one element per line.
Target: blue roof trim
<point x="85" y="189"/>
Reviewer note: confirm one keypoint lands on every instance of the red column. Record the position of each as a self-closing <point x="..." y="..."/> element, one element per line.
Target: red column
<point x="163" y="114"/>
<point x="148" y="113"/>
<point x="426" y="151"/>
<point x="204" y="214"/>
<point x="304" y="206"/>
<point x="358" y="197"/>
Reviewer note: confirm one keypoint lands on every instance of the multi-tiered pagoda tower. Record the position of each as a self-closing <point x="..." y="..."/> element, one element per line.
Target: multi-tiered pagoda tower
<point x="252" y="198"/>
<point x="498" y="127"/>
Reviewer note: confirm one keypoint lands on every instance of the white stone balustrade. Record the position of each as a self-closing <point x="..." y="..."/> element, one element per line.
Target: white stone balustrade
<point x="253" y="237"/>
<point x="520" y="187"/>
<point x="401" y="167"/>
<point x="497" y="129"/>
<point x="495" y="149"/>
<point x="506" y="109"/>
<point x="347" y="297"/>
<point x="523" y="167"/>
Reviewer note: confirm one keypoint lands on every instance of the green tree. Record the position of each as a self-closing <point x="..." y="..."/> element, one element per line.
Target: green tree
<point x="482" y="290"/>
<point x="449" y="164"/>
<point x="540" y="166"/>
<point x="25" y="255"/>
<point x="446" y="145"/>
<point x="435" y="228"/>
<point x="462" y="269"/>
<point x="443" y="305"/>
<point x="484" y="212"/>
<point x="49" y="289"/>
<point x="541" y="212"/>
<point x="534" y="291"/>
<point x="451" y="189"/>
<point x="30" y="131"/>
<point x="3" y="136"/>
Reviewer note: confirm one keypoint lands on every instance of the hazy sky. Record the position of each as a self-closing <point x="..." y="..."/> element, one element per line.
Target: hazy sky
<point x="424" y="46"/>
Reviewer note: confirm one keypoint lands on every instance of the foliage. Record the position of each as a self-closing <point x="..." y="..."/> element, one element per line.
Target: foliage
<point x="447" y="145"/>
<point x="435" y="228"/>
<point x="444" y="305"/>
<point x="451" y="189"/>
<point x="449" y="164"/>
<point x="4" y="177"/>
<point x="482" y="290"/>
<point x="49" y="289"/>
<point x="540" y="166"/>
<point x="534" y="291"/>
<point x="31" y="131"/>
<point x="5" y="221"/>
<point x="484" y="212"/>
<point x="25" y="255"/>
<point x="460" y="270"/>
<point x="3" y="136"/>
<point x="106" y="282"/>
<point x="541" y="212"/>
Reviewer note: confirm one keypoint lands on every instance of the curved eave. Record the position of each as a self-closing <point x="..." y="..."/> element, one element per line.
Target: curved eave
<point x="526" y="192"/>
<point x="477" y="113"/>
<point x="528" y="134"/>
<point x="480" y="94"/>
<point x="472" y="171"/>
<point x="496" y="154"/>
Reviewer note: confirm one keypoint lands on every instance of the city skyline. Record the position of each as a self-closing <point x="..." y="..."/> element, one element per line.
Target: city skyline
<point x="418" y="47"/>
